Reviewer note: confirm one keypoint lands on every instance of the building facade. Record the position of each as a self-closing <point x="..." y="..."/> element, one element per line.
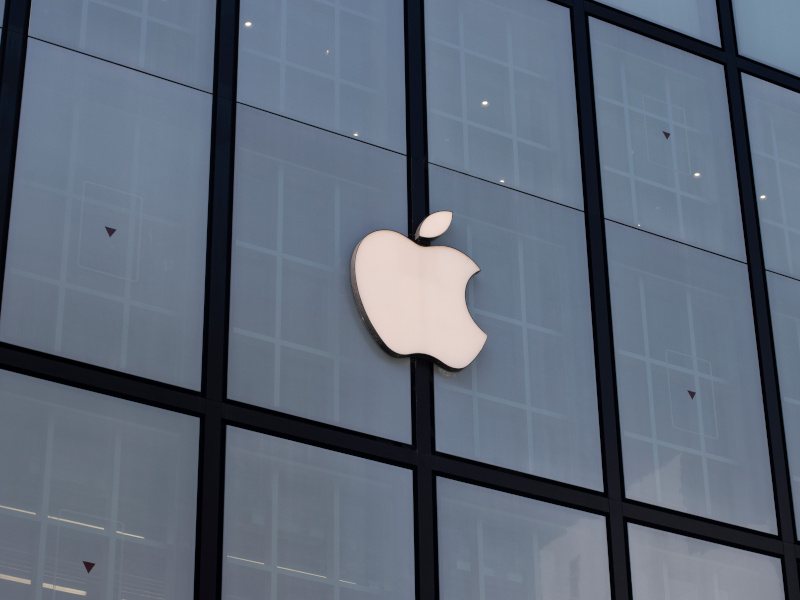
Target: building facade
<point x="190" y="404"/>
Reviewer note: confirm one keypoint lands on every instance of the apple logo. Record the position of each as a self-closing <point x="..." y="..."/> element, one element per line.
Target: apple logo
<point x="413" y="297"/>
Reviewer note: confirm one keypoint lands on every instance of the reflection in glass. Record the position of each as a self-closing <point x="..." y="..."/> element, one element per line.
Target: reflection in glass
<point x="697" y="18"/>
<point x="691" y="412"/>
<point x="87" y="477"/>
<point x="496" y="545"/>
<point x="303" y="522"/>
<point x="106" y="254"/>
<point x="338" y="64"/>
<point x="766" y="30"/>
<point x="170" y="38"/>
<point x="784" y="300"/>
<point x="303" y="199"/>
<point x="501" y="97"/>
<point x="674" y="567"/>
<point x="665" y="142"/>
<point x="773" y="118"/>
<point x="529" y="400"/>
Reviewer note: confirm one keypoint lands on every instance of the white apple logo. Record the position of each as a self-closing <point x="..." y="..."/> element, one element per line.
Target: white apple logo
<point x="413" y="297"/>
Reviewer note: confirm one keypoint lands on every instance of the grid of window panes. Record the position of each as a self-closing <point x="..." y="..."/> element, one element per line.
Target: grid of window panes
<point x="107" y="282"/>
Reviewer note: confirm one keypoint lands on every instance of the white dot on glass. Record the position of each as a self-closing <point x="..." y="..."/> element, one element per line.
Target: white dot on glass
<point x="762" y="197"/>
<point x="327" y="51"/>
<point x="484" y="103"/>
<point x="502" y="181"/>
<point x="248" y="23"/>
<point x="697" y="174"/>
<point x="355" y="134"/>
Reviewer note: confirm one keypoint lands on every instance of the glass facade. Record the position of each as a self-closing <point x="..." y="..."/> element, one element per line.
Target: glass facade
<point x="529" y="400"/>
<point x="665" y="144"/>
<point x="697" y="18"/>
<point x="495" y="545"/>
<point x="691" y="413"/>
<point x="194" y="402"/>
<point x="666" y="565"/>
<point x="105" y="260"/>
<point x="98" y="496"/>
<point x="303" y="522"/>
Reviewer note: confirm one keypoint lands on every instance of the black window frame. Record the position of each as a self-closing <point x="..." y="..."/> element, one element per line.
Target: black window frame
<point x="215" y="412"/>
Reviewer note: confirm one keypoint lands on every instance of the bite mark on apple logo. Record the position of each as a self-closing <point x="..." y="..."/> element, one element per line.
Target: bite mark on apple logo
<point x="413" y="297"/>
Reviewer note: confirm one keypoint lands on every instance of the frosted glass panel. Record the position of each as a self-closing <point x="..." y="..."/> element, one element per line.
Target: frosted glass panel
<point x="496" y="545"/>
<point x="501" y="95"/>
<point x="784" y="301"/>
<point x="668" y="566"/>
<point x="773" y="119"/>
<point x="766" y="30"/>
<point x="338" y="64"/>
<point x="306" y="523"/>
<point x="303" y="199"/>
<point x="106" y="251"/>
<point x="665" y="141"/>
<point x="529" y="400"/>
<point x="691" y="412"/>
<point x="86" y="478"/>
<point x="697" y="18"/>
<point x="170" y="38"/>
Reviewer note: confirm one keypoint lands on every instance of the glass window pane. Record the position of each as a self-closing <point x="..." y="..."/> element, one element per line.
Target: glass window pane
<point x="496" y="545"/>
<point x="766" y="30"/>
<point x="671" y="566"/>
<point x="87" y="477"/>
<point x="303" y="199"/>
<point x="173" y="39"/>
<point x="106" y="256"/>
<point x="303" y="522"/>
<point x="529" y="400"/>
<point x="773" y="117"/>
<point x="697" y="18"/>
<point x="501" y="95"/>
<point x="784" y="300"/>
<point x="665" y="142"/>
<point x="338" y="64"/>
<point x="692" y="417"/>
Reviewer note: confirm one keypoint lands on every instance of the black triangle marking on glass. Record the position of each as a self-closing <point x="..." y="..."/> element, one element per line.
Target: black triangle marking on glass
<point x="88" y="566"/>
<point x="666" y="134"/>
<point x="110" y="231"/>
<point x="691" y="394"/>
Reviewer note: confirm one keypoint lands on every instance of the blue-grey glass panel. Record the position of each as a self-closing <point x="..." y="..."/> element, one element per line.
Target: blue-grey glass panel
<point x="303" y="199"/>
<point x="496" y="545"/>
<point x="668" y="566"/>
<point x="784" y="301"/>
<point x="88" y="477"/>
<point x="697" y="18"/>
<point x="692" y="416"/>
<point x="107" y="245"/>
<point x="773" y="120"/>
<point x="665" y="141"/>
<point x="338" y="64"/>
<point x="169" y="38"/>
<point x="529" y="400"/>
<point x="306" y="523"/>
<point x="501" y="94"/>
<point x="766" y="30"/>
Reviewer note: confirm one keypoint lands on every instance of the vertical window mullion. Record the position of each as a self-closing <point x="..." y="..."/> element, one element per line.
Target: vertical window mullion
<point x="601" y="307"/>
<point x="208" y="569"/>
<point x="421" y="368"/>
<point x="760" y="300"/>
<point x="12" y="54"/>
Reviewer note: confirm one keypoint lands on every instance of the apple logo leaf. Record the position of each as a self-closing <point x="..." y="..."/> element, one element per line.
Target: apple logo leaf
<point x="434" y="225"/>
